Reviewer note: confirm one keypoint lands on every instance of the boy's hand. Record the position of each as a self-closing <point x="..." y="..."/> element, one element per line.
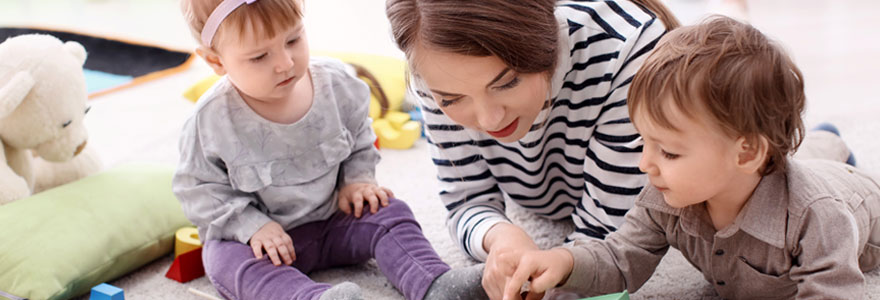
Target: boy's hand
<point x="353" y="196"/>
<point x="546" y="269"/>
<point x="277" y="243"/>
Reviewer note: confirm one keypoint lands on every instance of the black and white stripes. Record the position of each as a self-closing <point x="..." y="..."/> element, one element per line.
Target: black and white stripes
<point x="581" y="157"/>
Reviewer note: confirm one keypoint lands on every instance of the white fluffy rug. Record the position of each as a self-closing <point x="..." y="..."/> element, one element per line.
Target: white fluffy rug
<point x="410" y="174"/>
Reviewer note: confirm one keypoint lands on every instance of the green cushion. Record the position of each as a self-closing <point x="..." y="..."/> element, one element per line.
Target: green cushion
<point x="60" y="243"/>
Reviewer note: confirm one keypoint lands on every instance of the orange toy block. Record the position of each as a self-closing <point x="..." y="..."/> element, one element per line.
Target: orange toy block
<point x="187" y="266"/>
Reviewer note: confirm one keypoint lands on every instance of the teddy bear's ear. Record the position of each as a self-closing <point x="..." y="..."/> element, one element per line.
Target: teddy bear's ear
<point x="14" y="91"/>
<point x="77" y="50"/>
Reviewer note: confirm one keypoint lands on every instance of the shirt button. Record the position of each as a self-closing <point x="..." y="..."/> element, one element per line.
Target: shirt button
<point x="719" y="252"/>
<point x="720" y="282"/>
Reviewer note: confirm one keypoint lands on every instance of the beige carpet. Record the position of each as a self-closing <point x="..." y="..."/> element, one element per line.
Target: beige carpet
<point x="410" y="174"/>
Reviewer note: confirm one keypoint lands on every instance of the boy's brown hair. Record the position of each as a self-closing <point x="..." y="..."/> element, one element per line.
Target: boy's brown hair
<point x="264" y="17"/>
<point x="734" y="74"/>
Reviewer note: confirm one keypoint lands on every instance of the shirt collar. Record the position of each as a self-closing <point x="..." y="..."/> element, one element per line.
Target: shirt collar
<point x="693" y="219"/>
<point x="764" y="215"/>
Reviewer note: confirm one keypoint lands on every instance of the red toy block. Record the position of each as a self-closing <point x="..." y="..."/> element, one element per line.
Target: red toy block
<point x="187" y="266"/>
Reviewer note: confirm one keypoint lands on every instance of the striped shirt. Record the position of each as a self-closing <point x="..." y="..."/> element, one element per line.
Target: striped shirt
<point x="580" y="158"/>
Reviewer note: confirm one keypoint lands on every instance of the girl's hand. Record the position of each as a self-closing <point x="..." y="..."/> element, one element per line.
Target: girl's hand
<point x="352" y="198"/>
<point x="547" y="269"/>
<point x="506" y="244"/>
<point x="276" y="242"/>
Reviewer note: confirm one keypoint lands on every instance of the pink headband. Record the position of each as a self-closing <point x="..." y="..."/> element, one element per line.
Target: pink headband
<point x="224" y="9"/>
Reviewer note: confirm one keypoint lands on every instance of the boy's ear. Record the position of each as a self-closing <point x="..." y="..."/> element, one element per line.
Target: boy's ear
<point x="752" y="155"/>
<point x="213" y="60"/>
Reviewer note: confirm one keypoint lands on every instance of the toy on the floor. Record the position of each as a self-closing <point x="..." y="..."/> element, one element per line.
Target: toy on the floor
<point x="616" y="296"/>
<point x="106" y="292"/>
<point x="393" y="128"/>
<point x="187" y="263"/>
<point x="186" y="239"/>
<point x="42" y="106"/>
<point x="386" y="77"/>
<point x="202" y="294"/>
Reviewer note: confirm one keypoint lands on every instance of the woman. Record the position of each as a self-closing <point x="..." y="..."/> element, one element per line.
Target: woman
<point x="526" y="101"/>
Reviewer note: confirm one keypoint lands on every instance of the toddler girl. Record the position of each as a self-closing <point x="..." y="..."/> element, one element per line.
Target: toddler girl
<point x="277" y="166"/>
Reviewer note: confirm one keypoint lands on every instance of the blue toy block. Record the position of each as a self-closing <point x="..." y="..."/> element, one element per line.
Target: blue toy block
<point x="617" y="296"/>
<point x="106" y="292"/>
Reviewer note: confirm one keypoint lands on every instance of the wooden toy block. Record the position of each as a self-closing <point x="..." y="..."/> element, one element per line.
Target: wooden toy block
<point x="106" y="292"/>
<point x="186" y="239"/>
<point x="616" y="296"/>
<point x="187" y="266"/>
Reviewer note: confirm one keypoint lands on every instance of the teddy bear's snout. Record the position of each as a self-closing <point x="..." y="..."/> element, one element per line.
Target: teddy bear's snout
<point x="80" y="148"/>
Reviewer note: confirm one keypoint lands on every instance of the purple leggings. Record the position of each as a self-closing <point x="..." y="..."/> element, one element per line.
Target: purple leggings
<point x="391" y="236"/>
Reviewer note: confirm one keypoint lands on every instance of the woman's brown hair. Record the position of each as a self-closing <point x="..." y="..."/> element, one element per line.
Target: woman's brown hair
<point x="523" y="34"/>
<point x="265" y="17"/>
<point x="731" y="72"/>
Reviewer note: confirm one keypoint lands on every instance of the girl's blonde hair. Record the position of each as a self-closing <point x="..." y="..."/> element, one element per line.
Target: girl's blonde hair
<point x="264" y="17"/>
<point x="733" y="74"/>
<point x="522" y="33"/>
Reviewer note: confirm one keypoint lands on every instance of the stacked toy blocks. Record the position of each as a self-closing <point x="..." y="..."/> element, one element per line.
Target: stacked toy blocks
<point x="187" y="263"/>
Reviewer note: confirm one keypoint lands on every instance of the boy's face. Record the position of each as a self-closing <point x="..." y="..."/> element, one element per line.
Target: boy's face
<point x="482" y="93"/>
<point x="265" y="69"/>
<point x="697" y="163"/>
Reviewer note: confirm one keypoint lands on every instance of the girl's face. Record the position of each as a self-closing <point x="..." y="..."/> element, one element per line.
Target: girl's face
<point x="483" y="93"/>
<point x="265" y="69"/>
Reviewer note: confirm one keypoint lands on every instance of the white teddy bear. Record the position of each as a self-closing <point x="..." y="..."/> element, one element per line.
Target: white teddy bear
<point x="42" y="106"/>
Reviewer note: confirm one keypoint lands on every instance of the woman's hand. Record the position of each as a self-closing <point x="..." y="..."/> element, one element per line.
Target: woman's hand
<point x="275" y="241"/>
<point x="545" y="269"/>
<point x="506" y="243"/>
<point x="352" y="197"/>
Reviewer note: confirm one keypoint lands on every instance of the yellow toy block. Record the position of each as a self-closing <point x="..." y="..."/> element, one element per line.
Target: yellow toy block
<point x="186" y="239"/>
<point x="394" y="138"/>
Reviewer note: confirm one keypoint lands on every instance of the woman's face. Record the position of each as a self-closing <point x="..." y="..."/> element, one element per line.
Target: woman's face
<point x="483" y="93"/>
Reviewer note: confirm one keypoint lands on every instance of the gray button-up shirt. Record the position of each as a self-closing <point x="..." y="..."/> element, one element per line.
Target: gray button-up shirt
<point x="806" y="233"/>
<point x="238" y="171"/>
